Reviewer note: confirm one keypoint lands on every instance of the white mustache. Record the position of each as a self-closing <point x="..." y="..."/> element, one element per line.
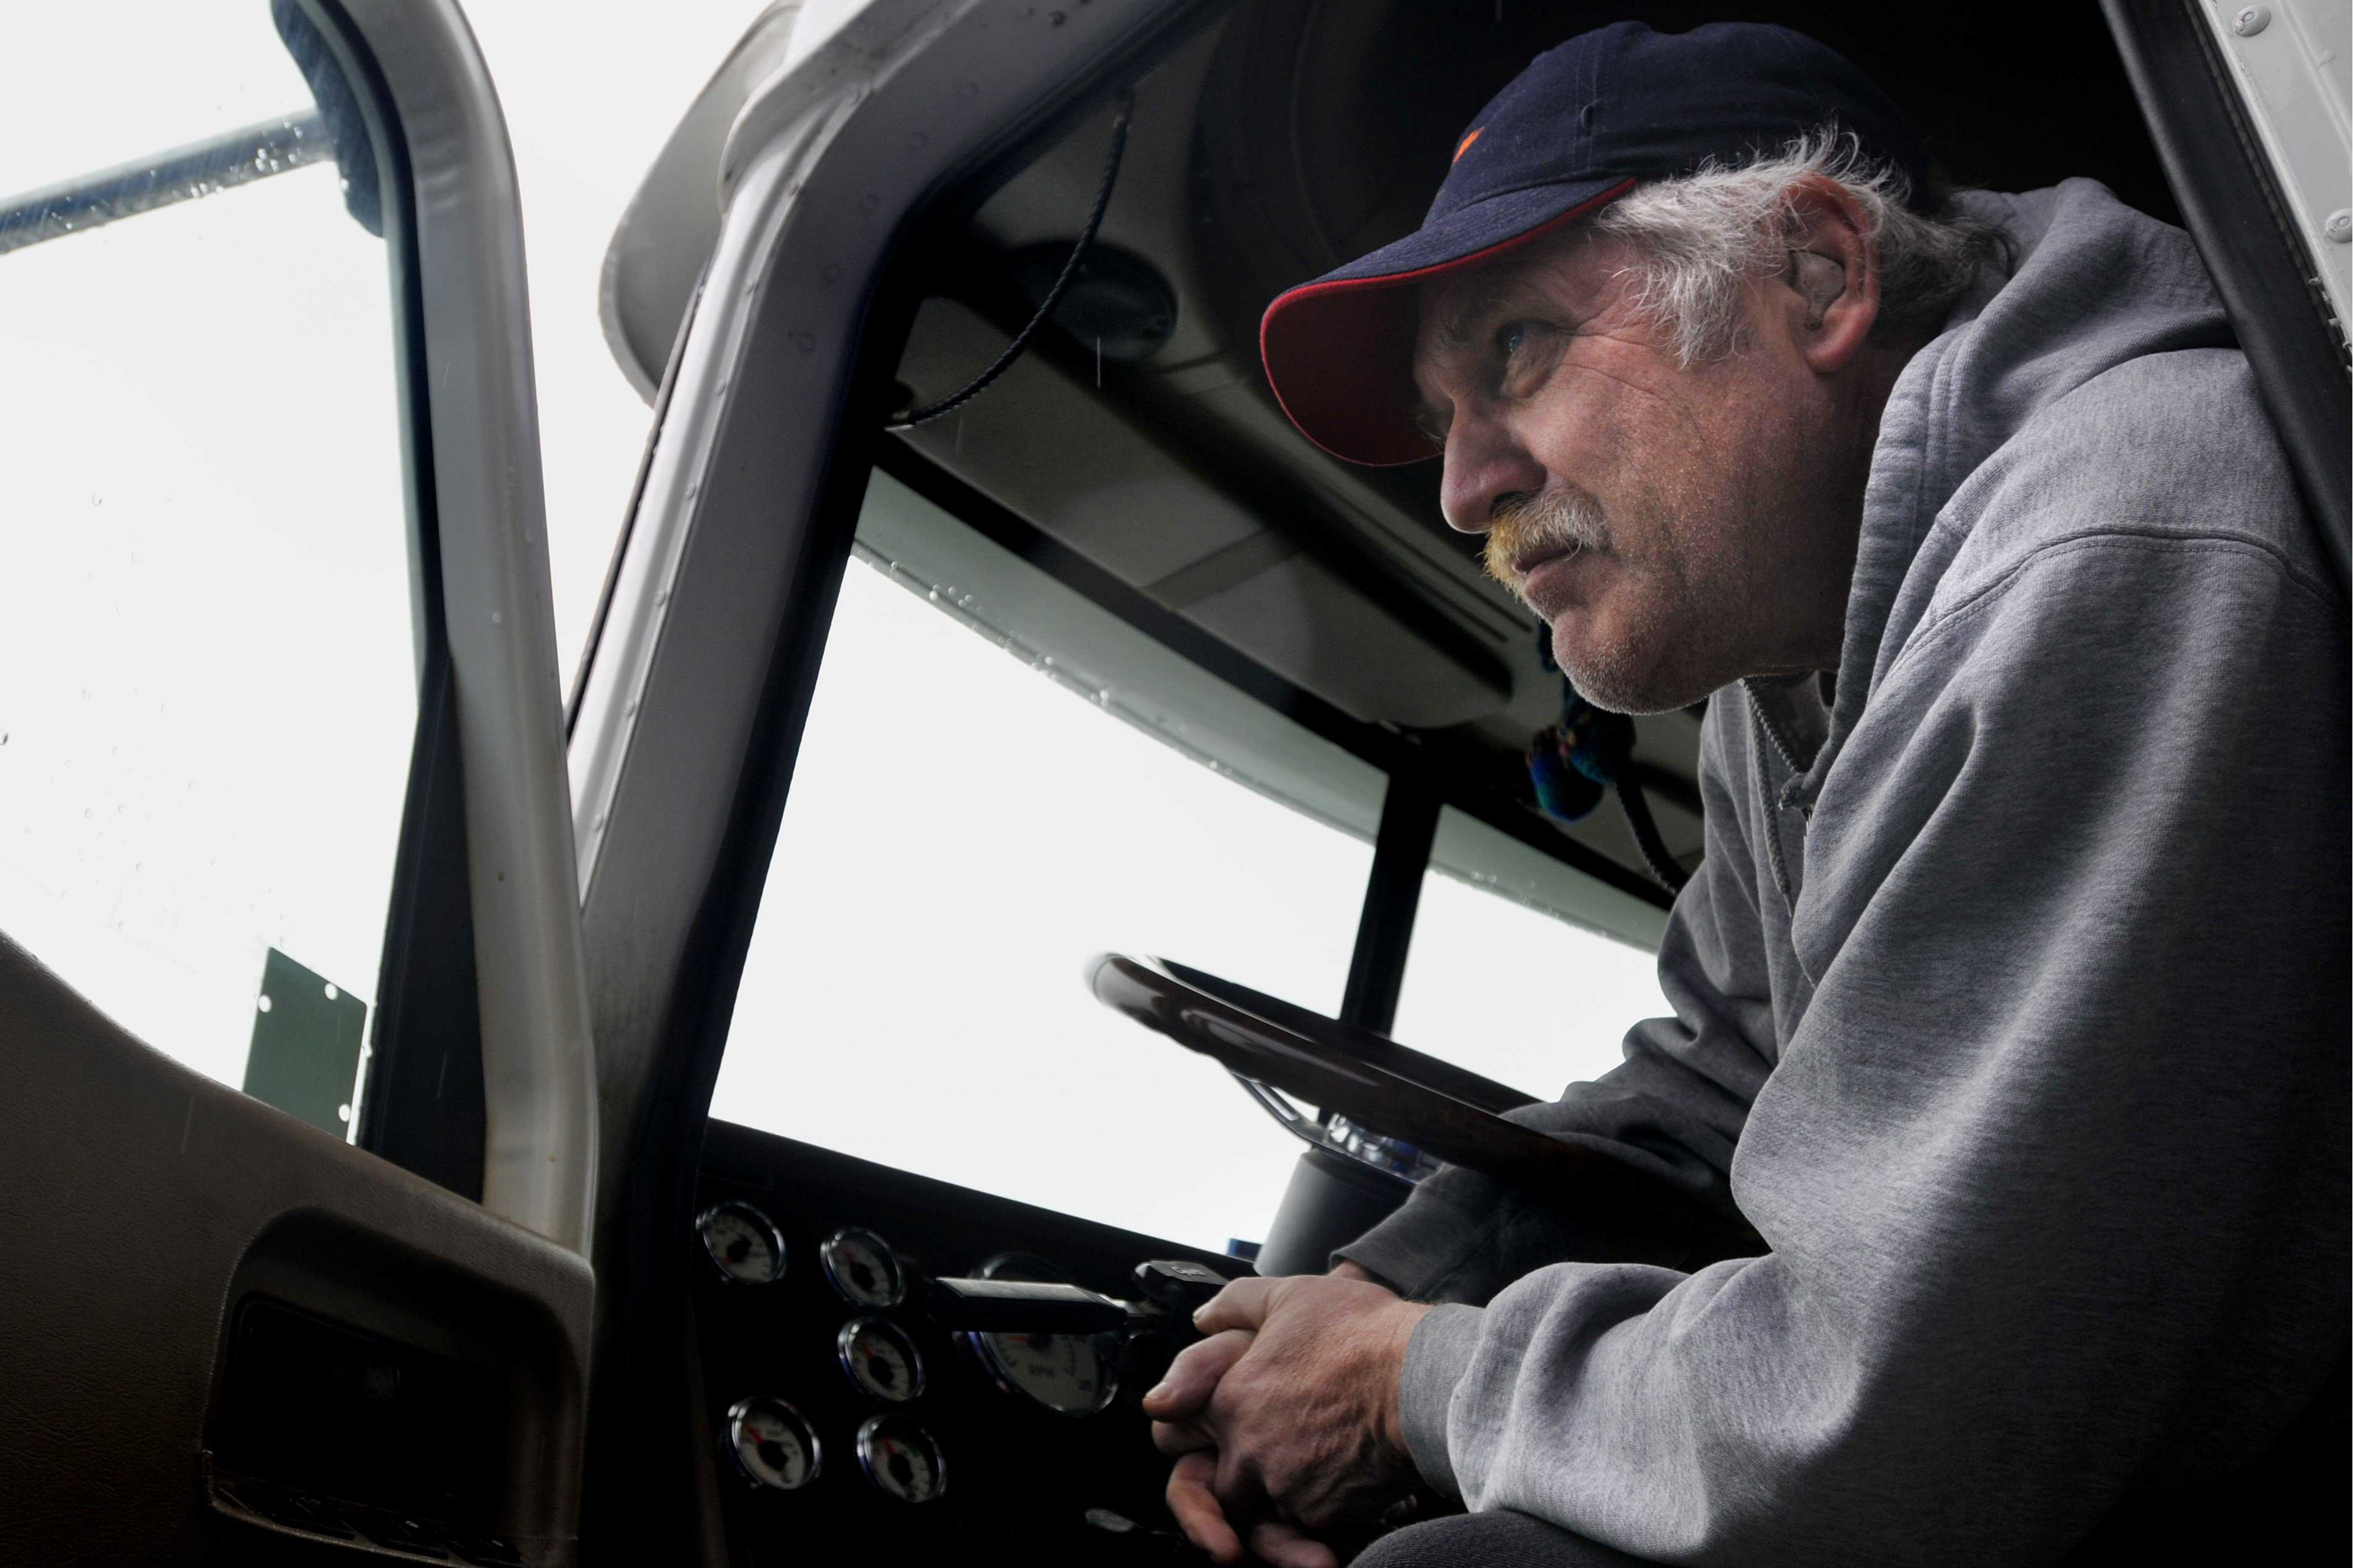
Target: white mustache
<point x="1550" y="520"/>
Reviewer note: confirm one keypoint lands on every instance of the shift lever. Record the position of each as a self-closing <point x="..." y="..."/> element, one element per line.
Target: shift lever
<point x="1171" y="1288"/>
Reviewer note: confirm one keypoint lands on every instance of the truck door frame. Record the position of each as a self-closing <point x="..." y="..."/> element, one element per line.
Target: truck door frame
<point x="208" y="1199"/>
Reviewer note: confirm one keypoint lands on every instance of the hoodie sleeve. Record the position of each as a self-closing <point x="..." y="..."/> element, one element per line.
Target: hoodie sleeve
<point x="1673" y="1109"/>
<point x="2053" y="1168"/>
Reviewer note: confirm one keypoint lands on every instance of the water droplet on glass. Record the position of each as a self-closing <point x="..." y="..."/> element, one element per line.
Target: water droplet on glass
<point x="263" y="1002"/>
<point x="497" y="619"/>
<point x="343" y="1113"/>
<point x="332" y="992"/>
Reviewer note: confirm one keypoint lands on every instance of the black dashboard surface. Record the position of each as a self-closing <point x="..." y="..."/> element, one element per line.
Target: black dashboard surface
<point x="1020" y="1479"/>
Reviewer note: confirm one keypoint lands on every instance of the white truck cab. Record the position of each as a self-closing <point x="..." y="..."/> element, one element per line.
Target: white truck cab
<point x="460" y="1109"/>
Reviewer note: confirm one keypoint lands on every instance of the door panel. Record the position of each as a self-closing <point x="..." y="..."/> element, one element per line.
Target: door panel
<point x="152" y="1209"/>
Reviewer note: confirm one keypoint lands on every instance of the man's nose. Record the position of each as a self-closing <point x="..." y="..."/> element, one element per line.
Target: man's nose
<point x="1484" y="463"/>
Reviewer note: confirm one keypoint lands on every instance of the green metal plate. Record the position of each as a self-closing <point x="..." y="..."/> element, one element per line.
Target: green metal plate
<point x="305" y="1055"/>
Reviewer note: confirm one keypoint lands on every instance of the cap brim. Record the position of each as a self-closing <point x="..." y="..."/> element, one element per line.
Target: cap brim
<point x="1339" y="350"/>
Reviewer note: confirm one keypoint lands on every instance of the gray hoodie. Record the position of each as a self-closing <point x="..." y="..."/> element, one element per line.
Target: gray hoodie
<point x="2010" y="1001"/>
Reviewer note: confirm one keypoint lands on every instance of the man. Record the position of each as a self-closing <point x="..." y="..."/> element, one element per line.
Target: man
<point x="2010" y="998"/>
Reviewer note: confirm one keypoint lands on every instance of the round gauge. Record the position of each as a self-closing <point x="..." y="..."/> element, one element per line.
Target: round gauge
<point x="772" y="1444"/>
<point x="743" y="1242"/>
<point x="863" y="1267"/>
<point x="1071" y="1374"/>
<point x="880" y="1358"/>
<point x="901" y="1459"/>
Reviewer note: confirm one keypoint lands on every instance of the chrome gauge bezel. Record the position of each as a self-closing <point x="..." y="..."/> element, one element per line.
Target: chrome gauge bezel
<point x="732" y="1435"/>
<point x="827" y="1251"/>
<point x="872" y="1427"/>
<point x="738" y="1207"/>
<point x="844" y="1351"/>
<point x="981" y="1346"/>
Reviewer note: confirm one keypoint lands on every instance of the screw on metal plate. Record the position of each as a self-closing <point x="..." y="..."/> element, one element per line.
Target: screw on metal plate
<point x="2339" y="226"/>
<point x="2250" y="20"/>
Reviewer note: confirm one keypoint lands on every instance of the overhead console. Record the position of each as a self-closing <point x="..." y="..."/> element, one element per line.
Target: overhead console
<point x="846" y="1424"/>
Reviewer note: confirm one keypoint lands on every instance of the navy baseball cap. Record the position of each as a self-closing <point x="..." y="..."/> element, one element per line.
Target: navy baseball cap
<point x="1585" y="124"/>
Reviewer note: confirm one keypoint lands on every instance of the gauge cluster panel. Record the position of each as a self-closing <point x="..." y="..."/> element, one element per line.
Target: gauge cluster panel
<point x="843" y="1420"/>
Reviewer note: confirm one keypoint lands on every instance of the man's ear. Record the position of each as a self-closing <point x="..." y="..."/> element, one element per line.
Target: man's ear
<point x="1834" y="274"/>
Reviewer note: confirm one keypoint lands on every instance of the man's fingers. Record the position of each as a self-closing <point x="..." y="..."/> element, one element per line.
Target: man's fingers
<point x="1196" y="1510"/>
<point x="1286" y="1546"/>
<point x="1193" y="1376"/>
<point x="1239" y="1488"/>
<point x="1240" y="1305"/>
<point x="1174" y="1438"/>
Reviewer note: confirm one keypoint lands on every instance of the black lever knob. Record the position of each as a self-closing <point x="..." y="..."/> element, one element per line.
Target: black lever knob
<point x="1178" y="1285"/>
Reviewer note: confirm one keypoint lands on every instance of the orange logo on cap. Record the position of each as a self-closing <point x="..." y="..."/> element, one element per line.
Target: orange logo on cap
<point x="1465" y="147"/>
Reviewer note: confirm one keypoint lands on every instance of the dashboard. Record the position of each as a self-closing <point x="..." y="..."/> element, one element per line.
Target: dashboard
<point x="847" y="1425"/>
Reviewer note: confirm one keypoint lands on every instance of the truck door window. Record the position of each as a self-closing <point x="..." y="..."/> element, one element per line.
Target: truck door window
<point x="969" y="821"/>
<point x="208" y="668"/>
<point x="1522" y="969"/>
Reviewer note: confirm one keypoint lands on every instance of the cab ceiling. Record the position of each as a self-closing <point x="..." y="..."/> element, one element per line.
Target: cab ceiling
<point x="1293" y="136"/>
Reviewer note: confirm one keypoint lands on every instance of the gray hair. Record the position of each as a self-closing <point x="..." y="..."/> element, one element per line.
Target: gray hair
<point x="1699" y="239"/>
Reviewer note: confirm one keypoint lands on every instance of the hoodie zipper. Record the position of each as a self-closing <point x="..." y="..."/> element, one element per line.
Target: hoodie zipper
<point x="1771" y="735"/>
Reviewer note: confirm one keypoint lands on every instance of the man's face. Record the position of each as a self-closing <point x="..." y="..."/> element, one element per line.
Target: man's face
<point x="1666" y="523"/>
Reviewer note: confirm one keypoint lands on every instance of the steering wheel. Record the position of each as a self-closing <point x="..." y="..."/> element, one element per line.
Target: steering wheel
<point x="1430" y="1106"/>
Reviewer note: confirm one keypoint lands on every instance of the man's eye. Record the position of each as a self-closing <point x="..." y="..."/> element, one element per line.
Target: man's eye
<point x="1523" y="355"/>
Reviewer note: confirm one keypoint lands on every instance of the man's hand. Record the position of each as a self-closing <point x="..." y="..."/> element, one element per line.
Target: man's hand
<point x="1287" y="1414"/>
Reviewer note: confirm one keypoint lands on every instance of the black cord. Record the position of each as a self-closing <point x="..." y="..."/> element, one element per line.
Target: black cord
<point x="1646" y="837"/>
<point x="1054" y="296"/>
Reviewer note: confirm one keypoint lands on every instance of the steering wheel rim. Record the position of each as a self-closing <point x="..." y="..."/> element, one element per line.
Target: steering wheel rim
<point x="1385" y="1087"/>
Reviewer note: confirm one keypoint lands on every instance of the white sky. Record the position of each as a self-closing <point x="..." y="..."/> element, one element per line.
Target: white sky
<point x="206" y="691"/>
